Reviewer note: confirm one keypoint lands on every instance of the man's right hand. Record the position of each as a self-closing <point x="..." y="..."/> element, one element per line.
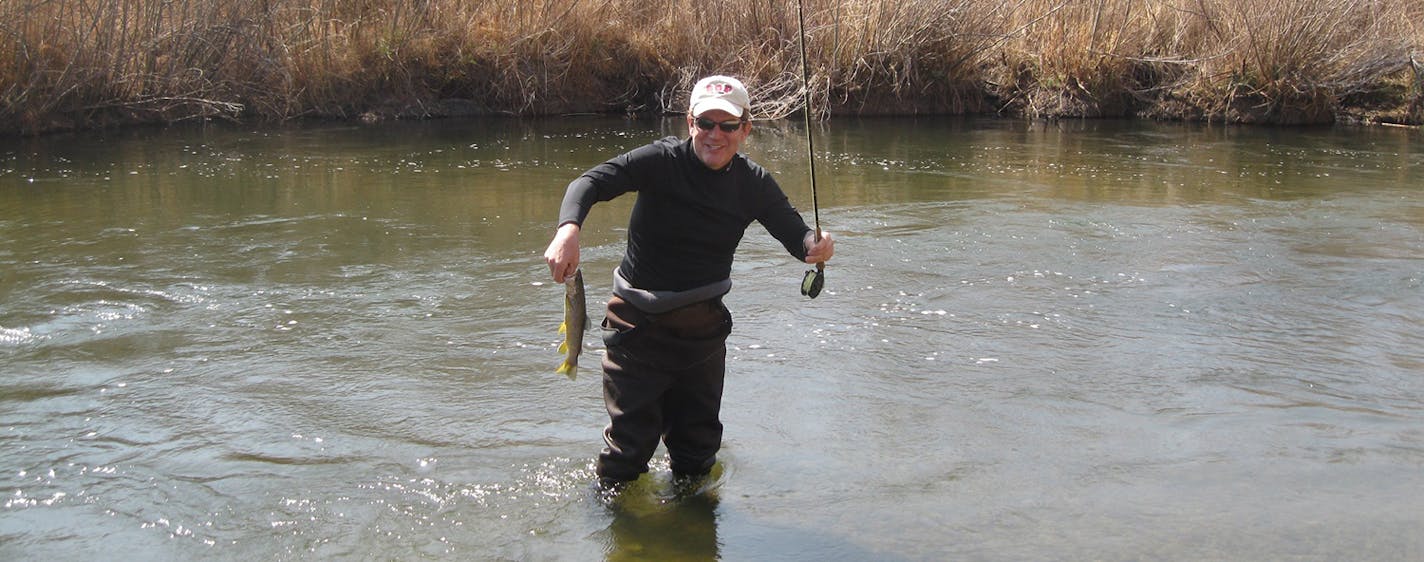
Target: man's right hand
<point x="563" y="252"/>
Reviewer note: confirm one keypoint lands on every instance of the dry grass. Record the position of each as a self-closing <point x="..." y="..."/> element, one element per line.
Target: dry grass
<point x="86" y="63"/>
<point x="1242" y="61"/>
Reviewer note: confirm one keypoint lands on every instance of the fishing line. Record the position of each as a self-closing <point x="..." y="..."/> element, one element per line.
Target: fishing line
<point x="815" y="279"/>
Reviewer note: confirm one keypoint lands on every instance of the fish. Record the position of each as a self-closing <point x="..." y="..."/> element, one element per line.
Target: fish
<point x="574" y="325"/>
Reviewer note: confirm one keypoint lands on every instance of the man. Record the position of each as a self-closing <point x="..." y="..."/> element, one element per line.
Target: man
<point x="665" y="326"/>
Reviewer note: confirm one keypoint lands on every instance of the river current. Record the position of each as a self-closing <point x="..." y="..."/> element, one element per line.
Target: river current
<point x="1080" y="340"/>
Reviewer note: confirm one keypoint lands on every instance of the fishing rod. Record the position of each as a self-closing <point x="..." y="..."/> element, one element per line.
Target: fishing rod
<point x="815" y="279"/>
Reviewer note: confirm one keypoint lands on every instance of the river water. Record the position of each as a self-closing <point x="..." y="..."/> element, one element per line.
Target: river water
<point x="1085" y="340"/>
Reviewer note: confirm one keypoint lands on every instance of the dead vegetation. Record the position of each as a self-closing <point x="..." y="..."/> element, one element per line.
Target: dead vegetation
<point x="89" y="63"/>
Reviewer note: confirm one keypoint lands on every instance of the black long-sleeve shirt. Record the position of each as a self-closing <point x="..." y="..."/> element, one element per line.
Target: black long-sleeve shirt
<point x="688" y="219"/>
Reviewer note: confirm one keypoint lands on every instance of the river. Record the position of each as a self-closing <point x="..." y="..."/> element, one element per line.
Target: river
<point x="1095" y="340"/>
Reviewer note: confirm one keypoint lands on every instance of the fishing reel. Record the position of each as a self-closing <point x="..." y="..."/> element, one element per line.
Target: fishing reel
<point x="814" y="281"/>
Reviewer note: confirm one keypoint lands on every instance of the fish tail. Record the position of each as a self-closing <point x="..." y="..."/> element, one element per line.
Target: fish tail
<point x="567" y="368"/>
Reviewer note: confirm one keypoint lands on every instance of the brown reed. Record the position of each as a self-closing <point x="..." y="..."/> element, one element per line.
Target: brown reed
<point x="67" y="64"/>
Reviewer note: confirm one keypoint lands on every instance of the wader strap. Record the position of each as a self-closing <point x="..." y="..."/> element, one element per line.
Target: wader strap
<point x="657" y="302"/>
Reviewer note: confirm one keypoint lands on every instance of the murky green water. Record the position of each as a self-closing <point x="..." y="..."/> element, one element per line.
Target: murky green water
<point x="1101" y="340"/>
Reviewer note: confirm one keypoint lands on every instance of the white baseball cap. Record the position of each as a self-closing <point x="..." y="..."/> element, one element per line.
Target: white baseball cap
<point x="720" y="92"/>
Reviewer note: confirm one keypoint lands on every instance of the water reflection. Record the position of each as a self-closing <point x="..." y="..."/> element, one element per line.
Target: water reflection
<point x="663" y="521"/>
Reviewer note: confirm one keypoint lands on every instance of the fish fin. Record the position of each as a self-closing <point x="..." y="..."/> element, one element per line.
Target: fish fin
<point x="563" y="327"/>
<point x="564" y="346"/>
<point x="567" y="368"/>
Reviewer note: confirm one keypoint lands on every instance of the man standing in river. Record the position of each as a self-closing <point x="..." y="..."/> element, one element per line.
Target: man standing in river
<point x="665" y="326"/>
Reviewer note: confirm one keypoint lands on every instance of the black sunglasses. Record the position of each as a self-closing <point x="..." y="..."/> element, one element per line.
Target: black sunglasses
<point x="726" y="126"/>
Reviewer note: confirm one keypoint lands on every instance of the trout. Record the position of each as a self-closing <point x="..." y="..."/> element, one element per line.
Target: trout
<point x="575" y="323"/>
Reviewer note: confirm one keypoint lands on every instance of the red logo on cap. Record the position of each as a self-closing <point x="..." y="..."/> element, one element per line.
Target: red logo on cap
<point x="719" y="88"/>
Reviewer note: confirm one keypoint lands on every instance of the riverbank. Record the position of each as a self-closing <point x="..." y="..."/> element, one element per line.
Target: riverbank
<point x="81" y="64"/>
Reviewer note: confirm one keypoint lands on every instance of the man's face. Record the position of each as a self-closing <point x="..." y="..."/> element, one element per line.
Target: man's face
<point x="714" y="146"/>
